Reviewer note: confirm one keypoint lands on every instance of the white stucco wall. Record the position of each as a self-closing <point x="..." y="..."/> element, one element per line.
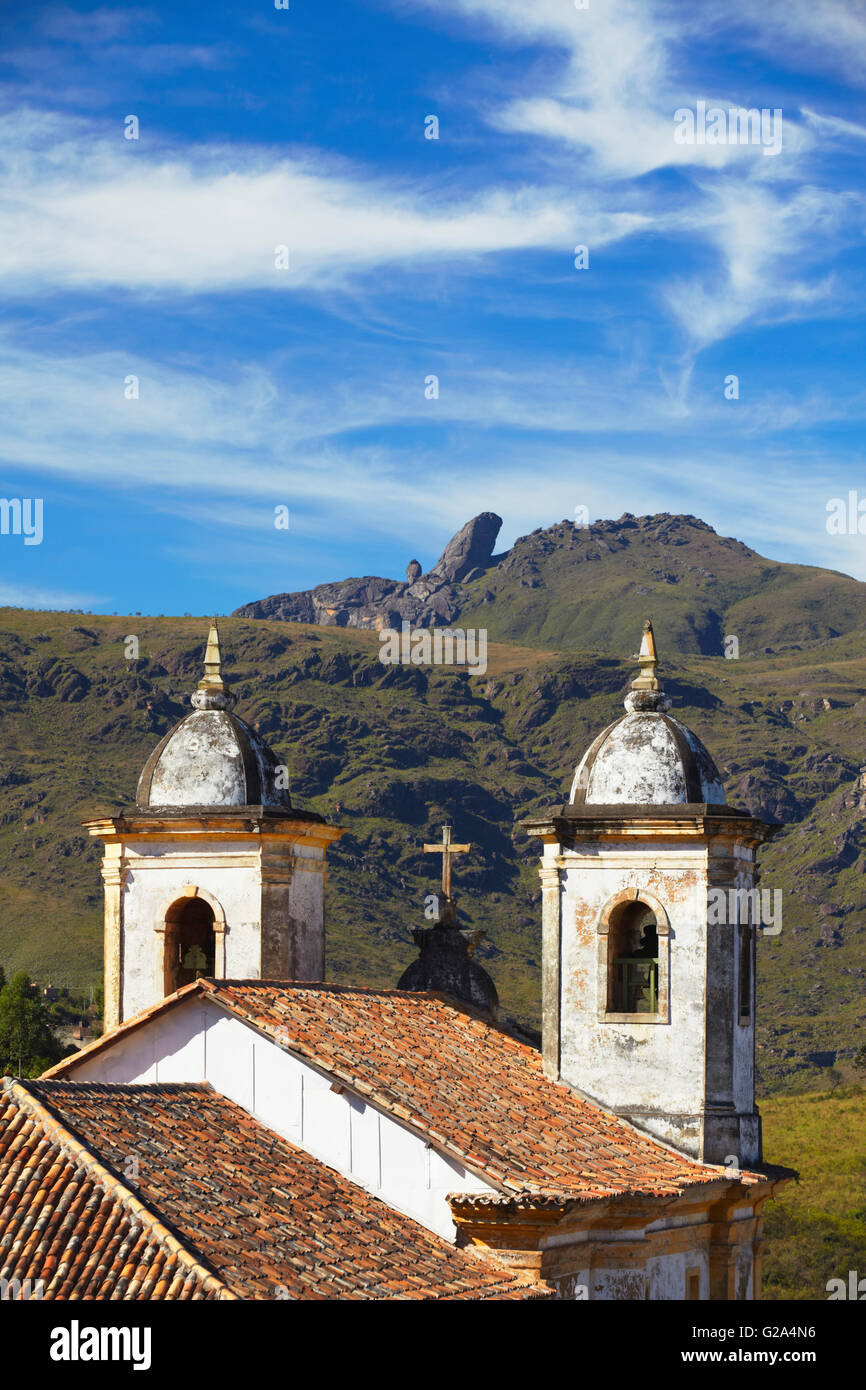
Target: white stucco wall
<point x="662" y="1074"/>
<point x="198" y="1041"/>
<point x="664" y="1278"/>
<point x="666" y="1275"/>
<point x="745" y="1276"/>
<point x="157" y="875"/>
<point x="651" y="1066"/>
<point x="307" y="905"/>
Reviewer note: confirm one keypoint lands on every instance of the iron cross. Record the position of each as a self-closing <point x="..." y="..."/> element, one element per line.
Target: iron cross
<point x="446" y="849"/>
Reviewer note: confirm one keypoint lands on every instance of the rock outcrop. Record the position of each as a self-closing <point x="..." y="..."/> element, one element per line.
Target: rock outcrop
<point x="424" y="600"/>
<point x="469" y="550"/>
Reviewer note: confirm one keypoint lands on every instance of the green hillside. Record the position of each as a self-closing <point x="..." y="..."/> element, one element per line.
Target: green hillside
<point x="816" y="1229"/>
<point x="401" y="750"/>
<point x="591" y="588"/>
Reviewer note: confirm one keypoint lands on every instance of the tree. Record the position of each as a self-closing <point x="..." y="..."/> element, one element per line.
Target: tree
<point x="27" y="1044"/>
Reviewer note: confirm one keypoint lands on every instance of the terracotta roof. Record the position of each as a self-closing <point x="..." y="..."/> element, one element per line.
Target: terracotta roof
<point x="66" y="1221"/>
<point x="470" y="1087"/>
<point x="163" y="1192"/>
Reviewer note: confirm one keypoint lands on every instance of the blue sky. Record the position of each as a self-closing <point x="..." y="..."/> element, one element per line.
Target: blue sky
<point x="304" y="386"/>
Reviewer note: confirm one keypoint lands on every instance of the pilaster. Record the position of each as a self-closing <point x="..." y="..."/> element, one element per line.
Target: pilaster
<point x="551" y="969"/>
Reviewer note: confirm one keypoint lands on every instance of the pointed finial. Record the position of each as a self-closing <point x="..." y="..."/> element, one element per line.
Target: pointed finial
<point x="647" y="693"/>
<point x="212" y="691"/>
<point x="212" y="679"/>
<point x="647" y="680"/>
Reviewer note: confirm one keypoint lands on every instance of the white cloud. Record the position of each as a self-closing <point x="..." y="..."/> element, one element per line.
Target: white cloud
<point x="830" y="36"/>
<point x="622" y="73"/>
<point x="764" y="239"/>
<point x="92" y="27"/>
<point x="224" y="451"/>
<point x="27" y="596"/>
<point x="834" y="125"/>
<point x="618" y="85"/>
<point x="82" y="211"/>
<point x="241" y="434"/>
<point x="220" y="454"/>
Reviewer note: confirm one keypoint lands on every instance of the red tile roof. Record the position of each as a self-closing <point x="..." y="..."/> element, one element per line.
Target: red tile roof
<point x="163" y="1192"/>
<point x="66" y="1227"/>
<point x="470" y="1087"/>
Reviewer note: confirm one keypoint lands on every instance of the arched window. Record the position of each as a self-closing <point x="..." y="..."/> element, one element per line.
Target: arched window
<point x="633" y="960"/>
<point x="190" y="943"/>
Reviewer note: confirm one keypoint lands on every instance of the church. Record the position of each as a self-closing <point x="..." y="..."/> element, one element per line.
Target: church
<point x="243" y="1130"/>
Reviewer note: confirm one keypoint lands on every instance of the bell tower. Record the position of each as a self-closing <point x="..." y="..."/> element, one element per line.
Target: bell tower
<point x="213" y="871"/>
<point x="649" y="917"/>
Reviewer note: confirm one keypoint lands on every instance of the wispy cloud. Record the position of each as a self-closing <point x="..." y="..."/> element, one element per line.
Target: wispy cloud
<point x="101" y="25"/>
<point x="830" y="37"/>
<point x="25" y="596"/>
<point x="834" y="125"/>
<point x="83" y="212"/>
<point x="239" y="433"/>
<point x="764" y="239"/>
<point x="623" y="70"/>
<point x="617" y="87"/>
<point x="224" y="452"/>
<point x="557" y="387"/>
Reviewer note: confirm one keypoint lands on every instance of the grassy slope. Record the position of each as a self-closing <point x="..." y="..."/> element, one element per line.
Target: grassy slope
<point x="816" y="1229"/>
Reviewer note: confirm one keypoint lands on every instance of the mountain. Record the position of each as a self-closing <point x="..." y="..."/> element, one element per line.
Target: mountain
<point x="586" y="588"/>
<point x="393" y="752"/>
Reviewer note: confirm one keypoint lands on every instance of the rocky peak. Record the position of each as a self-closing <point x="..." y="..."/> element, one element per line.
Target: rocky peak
<point x="425" y="600"/>
<point x="470" y="549"/>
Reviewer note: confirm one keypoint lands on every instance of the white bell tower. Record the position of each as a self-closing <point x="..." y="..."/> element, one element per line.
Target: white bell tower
<point x="213" y="872"/>
<point x="649" y="970"/>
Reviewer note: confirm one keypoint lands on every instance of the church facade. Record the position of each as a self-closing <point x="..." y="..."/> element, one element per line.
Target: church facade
<point x="294" y="1139"/>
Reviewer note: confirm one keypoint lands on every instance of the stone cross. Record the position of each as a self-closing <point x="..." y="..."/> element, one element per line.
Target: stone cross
<point x="446" y="849"/>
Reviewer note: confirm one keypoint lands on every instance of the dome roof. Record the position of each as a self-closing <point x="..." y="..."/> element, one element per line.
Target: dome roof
<point x="649" y="759"/>
<point x="212" y="758"/>
<point x="646" y="758"/>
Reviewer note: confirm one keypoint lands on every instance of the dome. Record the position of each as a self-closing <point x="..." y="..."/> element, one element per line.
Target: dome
<point x="646" y="758"/>
<point x="212" y="758"/>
